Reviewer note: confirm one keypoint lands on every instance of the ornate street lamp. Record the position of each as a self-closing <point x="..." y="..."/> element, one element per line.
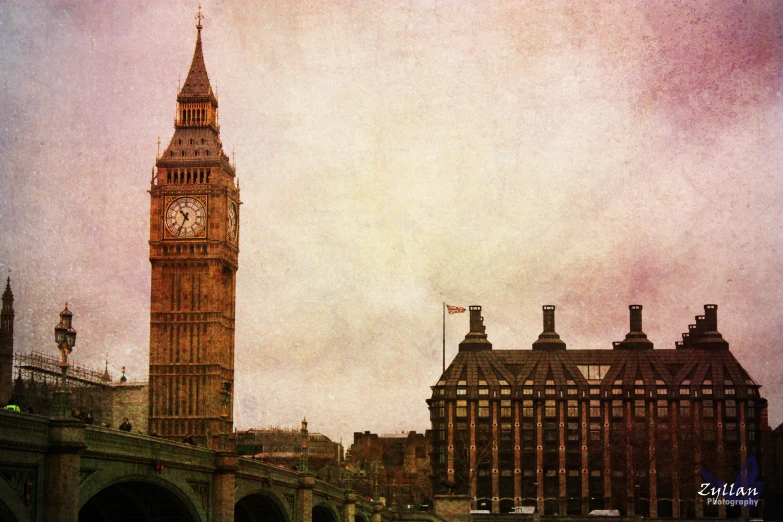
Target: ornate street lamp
<point x="65" y="337"/>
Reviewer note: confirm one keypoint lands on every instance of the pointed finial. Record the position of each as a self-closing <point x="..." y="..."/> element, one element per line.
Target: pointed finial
<point x="233" y="157"/>
<point x="158" y="156"/>
<point x="199" y="17"/>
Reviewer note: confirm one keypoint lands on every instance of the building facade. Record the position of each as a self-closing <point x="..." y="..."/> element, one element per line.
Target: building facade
<point x="571" y="431"/>
<point x="395" y="466"/>
<point x="194" y="248"/>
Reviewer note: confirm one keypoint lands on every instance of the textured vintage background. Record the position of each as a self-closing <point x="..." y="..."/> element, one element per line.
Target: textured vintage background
<point x="393" y="155"/>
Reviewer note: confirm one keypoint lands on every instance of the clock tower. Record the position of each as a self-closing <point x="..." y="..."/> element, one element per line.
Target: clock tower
<point x="194" y="247"/>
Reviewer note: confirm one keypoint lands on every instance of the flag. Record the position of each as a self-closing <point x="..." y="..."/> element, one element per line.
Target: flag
<point x="455" y="309"/>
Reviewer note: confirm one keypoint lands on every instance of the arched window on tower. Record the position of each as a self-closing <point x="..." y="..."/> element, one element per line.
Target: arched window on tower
<point x="168" y="176"/>
<point x="195" y="152"/>
<point x="208" y="174"/>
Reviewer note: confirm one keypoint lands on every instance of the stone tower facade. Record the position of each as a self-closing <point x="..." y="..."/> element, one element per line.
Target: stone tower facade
<point x="194" y="247"/>
<point x="6" y="343"/>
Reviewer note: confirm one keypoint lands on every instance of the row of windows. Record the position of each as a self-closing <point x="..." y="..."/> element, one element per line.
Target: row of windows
<point x="550" y="408"/>
<point x="683" y="391"/>
<point x="189" y="176"/>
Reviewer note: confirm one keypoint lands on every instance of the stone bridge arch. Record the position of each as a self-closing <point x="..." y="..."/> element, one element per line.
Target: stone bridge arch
<point x="360" y="517"/>
<point x="260" y="505"/>
<point x="325" y="512"/>
<point x="139" y="497"/>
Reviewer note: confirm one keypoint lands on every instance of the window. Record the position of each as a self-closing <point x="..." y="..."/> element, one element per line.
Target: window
<point x="729" y="391"/>
<point x="617" y="409"/>
<point x="462" y="391"/>
<point x="595" y="408"/>
<point x="483" y="411"/>
<point x="663" y="408"/>
<point x="505" y="408"/>
<point x="595" y="391"/>
<point x="751" y="409"/>
<point x="527" y="408"/>
<point x="685" y="408"/>
<point x="639" y="408"/>
<point x="709" y="411"/>
<point x="707" y="391"/>
<point x="751" y="435"/>
<point x="462" y="408"/>
<point x="550" y="391"/>
<point x="639" y="391"/>
<point x="593" y="371"/>
<point x="483" y="391"/>
<point x="663" y="391"/>
<point x="573" y="409"/>
<point x="731" y="431"/>
<point x="527" y="391"/>
<point x="572" y="391"/>
<point x="595" y="431"/>
<point x="505" y="391"/>
<point x="685" y="391"/>
<point x="731" y="408"/>
<point x="663" y="431"/>
<point x="617" y="391"/>
<point x="550" y="410"/>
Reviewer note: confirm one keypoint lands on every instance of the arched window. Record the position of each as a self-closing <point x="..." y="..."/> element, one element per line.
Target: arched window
<point x="168" y="177"/>
<point x="183" y="153"/>
<point x="195" y="152"/>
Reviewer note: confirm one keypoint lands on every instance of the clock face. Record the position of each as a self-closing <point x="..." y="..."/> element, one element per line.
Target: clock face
<point x="186" y="217"/>
<point x="232" y="223"/>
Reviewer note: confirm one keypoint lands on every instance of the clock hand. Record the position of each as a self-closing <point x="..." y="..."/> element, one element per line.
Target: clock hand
<point x="184" y="214"/>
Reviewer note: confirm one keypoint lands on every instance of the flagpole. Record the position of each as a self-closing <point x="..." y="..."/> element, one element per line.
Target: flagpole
<point x="444" y="336"/>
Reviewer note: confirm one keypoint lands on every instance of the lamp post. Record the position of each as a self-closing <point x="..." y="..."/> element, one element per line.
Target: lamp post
<point x="65" y="337"/>
<point x="303" y="464"/>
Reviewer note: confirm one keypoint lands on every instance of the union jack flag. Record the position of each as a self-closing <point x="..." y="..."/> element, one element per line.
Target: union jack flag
<point x="455" y="309"/>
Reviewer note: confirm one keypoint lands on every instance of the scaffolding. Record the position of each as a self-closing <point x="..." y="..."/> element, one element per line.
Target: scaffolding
<point x="39" y="375"/>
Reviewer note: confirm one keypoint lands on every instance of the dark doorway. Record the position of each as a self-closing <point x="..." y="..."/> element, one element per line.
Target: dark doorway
<point x="323" y="514"/>
<point x="258" y="508"/>
<point x="135" y="501"/>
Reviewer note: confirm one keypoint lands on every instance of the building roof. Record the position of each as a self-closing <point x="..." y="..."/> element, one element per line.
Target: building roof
<point x="693" y="366"/>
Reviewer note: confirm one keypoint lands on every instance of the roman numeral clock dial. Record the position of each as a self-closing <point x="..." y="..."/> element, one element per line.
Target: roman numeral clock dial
<point x="186" y="217"/>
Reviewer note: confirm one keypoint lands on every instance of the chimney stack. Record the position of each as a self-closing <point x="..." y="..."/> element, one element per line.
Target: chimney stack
<point x="549" y="339"/>
<point x="709" y="338"/>
<point x="636" y="339"/>
<point x="476" y="339"/>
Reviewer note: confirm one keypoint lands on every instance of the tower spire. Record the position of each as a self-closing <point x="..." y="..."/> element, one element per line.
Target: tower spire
<point x="197" y="81"/>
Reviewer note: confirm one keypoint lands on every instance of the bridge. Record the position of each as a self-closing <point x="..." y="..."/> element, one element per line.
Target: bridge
<point x="62" y="470"/>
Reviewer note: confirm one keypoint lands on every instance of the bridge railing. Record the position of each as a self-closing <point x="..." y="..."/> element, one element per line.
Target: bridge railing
<point x="275" y="474"/>
<point x="142" y="448"/>
<point x="33" y="430"/>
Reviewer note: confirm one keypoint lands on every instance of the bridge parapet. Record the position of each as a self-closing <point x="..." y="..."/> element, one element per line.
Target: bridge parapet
<point x="267" y="473"/>
<point x="24" y="430"/>
<point x="141" y="448"/>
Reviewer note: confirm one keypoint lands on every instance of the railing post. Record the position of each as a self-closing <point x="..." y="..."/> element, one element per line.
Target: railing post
<point x="62" y="469"/>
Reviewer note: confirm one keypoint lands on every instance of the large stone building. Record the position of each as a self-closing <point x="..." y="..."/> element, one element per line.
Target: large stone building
<point x="570" y="431"/>
<point x="194" y="248"/>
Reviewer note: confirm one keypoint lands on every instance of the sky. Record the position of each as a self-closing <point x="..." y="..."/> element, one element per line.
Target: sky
<point x="393" y="156"/>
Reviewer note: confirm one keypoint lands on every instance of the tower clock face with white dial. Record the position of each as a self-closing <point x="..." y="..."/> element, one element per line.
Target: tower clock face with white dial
<point x="232" y="223"/>
<point x="186" y="217"/>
